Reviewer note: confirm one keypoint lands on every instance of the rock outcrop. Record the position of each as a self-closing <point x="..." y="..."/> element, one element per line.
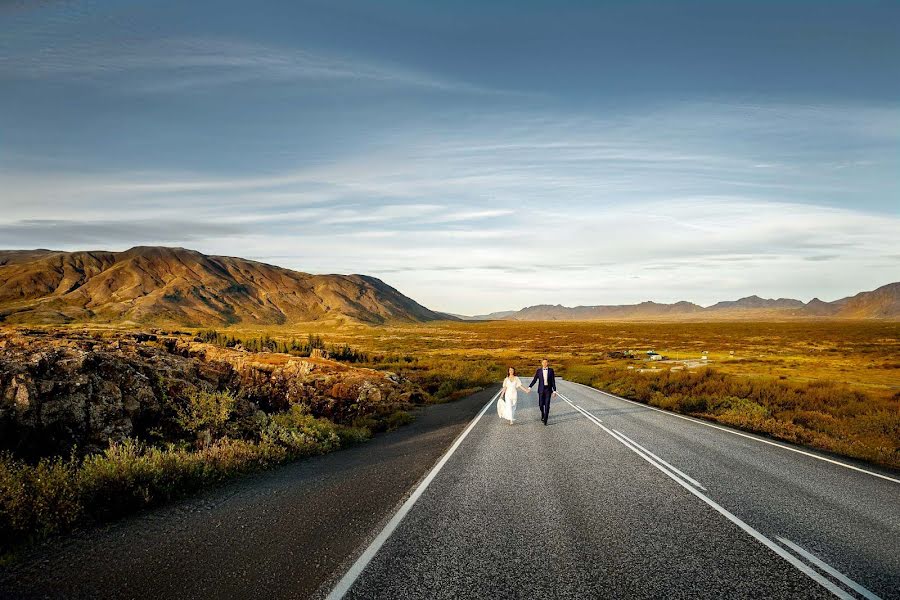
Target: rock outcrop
<point x="65" y="391"/>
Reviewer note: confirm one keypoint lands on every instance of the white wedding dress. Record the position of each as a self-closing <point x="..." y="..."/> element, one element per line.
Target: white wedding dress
<point x="506" y="403"/>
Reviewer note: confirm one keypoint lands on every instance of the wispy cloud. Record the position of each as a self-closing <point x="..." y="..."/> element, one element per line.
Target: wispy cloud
<point x="172" y="64"/>
<point x="571" y="210"/>
<point x="89" y="235"/>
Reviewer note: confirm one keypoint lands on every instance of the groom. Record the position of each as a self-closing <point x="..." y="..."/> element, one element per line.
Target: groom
<point x="546" y="388"/>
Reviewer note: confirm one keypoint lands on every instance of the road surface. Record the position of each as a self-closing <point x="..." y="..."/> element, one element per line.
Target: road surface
<point x="617" y="499"/>
<point x="611" y="499"/>
<point x="277" y="534"/>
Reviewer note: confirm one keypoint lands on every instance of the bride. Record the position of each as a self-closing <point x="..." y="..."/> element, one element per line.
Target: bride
<point x="506" y="403"/>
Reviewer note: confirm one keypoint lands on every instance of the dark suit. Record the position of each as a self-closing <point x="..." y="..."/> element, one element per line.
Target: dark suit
<point x="545" y="392"/>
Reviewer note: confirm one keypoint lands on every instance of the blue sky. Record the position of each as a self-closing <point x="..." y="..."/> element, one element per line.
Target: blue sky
<point x="477" y="156"/>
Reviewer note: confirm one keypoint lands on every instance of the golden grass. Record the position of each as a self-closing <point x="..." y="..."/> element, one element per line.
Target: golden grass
<point x="846" y="374"/>
<point x="857" y="363"/>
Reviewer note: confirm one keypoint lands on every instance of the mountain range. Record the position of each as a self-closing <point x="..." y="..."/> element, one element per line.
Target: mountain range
<point x="160" y="285"/>
<point x="882" y="303"/>
<point x="176" y="286"/>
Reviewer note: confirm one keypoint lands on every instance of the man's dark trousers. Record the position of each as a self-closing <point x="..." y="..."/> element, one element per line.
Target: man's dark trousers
<point x="545" y="391"/>
<point x="544" y="402"/>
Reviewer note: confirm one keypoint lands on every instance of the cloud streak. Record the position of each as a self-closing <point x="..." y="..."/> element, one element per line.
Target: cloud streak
<point x="174" y="64"/>
<point x="653" y="204"/>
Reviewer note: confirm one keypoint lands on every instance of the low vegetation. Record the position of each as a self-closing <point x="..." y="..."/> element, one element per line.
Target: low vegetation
<point x="293" y="346"/>
<point x="822" y="414"/>
<point x="56" y="494"/>
<point x="829" y="385"/>
<point x="203" y="416"/>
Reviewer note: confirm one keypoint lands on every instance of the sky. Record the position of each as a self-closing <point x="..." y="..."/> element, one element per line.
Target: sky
<point x="477" y="156"/>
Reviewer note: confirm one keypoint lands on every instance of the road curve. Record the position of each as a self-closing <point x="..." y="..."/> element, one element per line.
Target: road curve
<point x="618" y="499"/>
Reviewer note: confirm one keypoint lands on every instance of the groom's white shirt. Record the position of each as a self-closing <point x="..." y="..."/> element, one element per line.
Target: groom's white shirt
<point x="545" y="377"/>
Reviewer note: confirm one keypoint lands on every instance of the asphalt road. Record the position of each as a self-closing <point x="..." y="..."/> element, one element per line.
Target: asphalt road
<point x="576" y="509"/>
<point x="278" y="534"/>
<point x="582" y="509"/>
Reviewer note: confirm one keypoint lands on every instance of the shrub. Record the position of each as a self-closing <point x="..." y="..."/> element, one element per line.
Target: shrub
<point x="37" y="500"/>
<point x="350" y="435"/>
<point x="206" y="414"/>
<point x="300" y="433"/>
<point x="398" y="419"/>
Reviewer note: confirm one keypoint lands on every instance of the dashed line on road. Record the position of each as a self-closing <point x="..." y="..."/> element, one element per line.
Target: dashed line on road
<point x="356" y="569"/>
<point x="787" y="556"/>
<point x="725" y="429"/>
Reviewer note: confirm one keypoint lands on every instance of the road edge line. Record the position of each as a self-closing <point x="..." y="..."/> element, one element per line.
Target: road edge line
<point x="346" y="582"/>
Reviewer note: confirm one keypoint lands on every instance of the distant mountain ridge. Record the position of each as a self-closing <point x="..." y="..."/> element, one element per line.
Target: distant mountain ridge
<point x="882" y="303"/>
<point x="161" y="285"/>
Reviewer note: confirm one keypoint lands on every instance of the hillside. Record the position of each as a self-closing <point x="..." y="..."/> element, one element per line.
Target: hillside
<point x="882" y="303"/>
<point x="184" y="287"/>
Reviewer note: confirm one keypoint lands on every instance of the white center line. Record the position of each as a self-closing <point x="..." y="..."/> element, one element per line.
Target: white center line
<point x="828" y="569"/>
<point x="732" y="431"/>
<point x="350" y="577"/>
<point x="685" y="476"/>
<point x="787" y="556"/>
<point x="632" y="445"/>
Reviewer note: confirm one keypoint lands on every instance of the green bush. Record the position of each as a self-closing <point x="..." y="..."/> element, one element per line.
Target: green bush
<point x="206" y="414"/>
<point x="398" y="419"/>
<point x="37" y="500"/>
<point x="350" y="435"/>
<point x="300" y="433"/>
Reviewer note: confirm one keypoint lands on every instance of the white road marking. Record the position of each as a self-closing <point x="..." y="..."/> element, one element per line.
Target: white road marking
<point x="632" y="445"/>
<point x="752" y="437"/>
<point x="685" y="476"/>
<point x="790" y="558"/>
<point x="350" y="577"/>
<point x="828" y="569"/>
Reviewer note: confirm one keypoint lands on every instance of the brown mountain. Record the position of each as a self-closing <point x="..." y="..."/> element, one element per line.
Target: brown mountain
<point x="882" y="303"/>
<point x="752" y="302"/>
<point x="548" y="312"/>
<point x="184" y="287"/>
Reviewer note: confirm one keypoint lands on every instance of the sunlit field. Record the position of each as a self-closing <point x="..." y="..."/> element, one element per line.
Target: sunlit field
<point x="833" y="385"/>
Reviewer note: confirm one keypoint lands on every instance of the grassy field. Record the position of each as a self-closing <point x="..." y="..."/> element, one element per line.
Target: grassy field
<point x="832" y="385"/>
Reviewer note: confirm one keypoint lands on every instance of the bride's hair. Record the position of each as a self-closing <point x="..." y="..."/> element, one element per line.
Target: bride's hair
<point x="513" y="370"/>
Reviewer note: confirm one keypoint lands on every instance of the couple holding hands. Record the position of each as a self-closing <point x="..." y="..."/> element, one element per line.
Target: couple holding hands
<point x="544" y="377"/>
